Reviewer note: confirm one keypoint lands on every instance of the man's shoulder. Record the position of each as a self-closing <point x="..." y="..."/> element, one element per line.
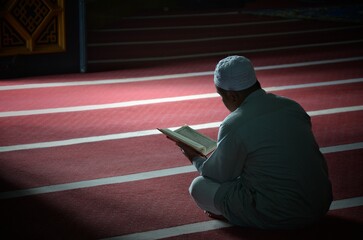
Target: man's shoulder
<point x="281" y="100"/>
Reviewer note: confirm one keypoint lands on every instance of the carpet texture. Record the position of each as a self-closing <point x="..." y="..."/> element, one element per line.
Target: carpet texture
<point x="80" y="156"/>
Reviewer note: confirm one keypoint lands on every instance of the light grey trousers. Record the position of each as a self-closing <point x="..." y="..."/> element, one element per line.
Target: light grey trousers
<point x="203" y="191"/>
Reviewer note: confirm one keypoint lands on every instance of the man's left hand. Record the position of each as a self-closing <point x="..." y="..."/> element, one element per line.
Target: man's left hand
<point x="189" y="152"/>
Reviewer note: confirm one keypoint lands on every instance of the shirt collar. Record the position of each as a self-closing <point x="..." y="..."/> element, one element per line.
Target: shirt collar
<point x="254" y="95"/>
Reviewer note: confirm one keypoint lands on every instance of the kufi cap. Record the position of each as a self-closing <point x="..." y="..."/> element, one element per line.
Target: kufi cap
<point x="234" y="73"/>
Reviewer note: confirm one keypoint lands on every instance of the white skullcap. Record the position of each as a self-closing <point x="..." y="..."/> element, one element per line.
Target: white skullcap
<point x="234" y="73"/>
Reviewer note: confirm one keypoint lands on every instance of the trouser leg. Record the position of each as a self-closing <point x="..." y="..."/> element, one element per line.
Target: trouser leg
<point x="203" y="191"/>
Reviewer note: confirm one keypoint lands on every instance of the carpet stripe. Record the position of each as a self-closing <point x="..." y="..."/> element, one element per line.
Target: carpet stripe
<point x="346" y="203"/>
<point x="172" y="76"/>
<point x="214" y="224"/>
<point x="213" y="26"/>
<point x="222" y="38"/>
<point x="174" y="231"/>
<point x="138" y="176"/>
<point x="246" y="51"/>
<point x="146" y="132"/>
<point x="342" y="148"/>
<point x="97" y="182"/>
<point x="163" y="100"/>
<point x="335" y="110"/>
<point x="106" y="106"/>
<point x="184" y="15"/>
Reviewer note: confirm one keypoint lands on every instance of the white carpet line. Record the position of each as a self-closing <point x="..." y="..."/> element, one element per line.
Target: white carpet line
<point x="174" y="231"/>
<point x="185" y="15"/>
<point x="106" y="106"/>
<point x="138" y="176"/>
<point x="105" y="81"/>
<point x="118" y="136"/>
<point x="213" y="54"/>
<point x="96" y="182"/>
<point x="346" y="203"/>
<point x="171" y="76"/>
<point x="214" y="224"/>
<point x="163" y="100"/>
<point x="213" y="26"/>
<point x="191" y="40"/>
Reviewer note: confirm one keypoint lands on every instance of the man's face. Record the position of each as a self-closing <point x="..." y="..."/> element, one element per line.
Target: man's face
<point x="227" y="99"/>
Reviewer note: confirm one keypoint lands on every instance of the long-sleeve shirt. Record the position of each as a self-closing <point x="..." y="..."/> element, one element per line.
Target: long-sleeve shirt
<point x="270" y="168"/>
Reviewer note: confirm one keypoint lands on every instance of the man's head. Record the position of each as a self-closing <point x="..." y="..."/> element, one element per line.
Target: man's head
<point x="235" y="79"/>
<point x="234" y="73"/>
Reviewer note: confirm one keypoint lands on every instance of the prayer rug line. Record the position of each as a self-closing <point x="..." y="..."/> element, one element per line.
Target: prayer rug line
<point x="171" y="76"/>
<point x="142" y="133"/>
<point x="214" y="224"/>
<point x="139" y="176"/>
<point x="163" y="100"/>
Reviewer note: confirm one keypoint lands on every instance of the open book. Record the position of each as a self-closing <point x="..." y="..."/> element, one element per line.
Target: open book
<point x="187" y="135"/>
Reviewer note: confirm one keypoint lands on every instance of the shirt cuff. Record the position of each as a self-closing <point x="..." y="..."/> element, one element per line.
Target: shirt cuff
<point x="198" y="162"/>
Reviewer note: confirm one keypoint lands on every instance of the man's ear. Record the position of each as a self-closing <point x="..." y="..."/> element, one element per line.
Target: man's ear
<point x="232" y="96"/>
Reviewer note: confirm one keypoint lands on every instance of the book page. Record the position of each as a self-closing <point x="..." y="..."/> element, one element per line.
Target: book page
<point x="190" y="133"/>
<point x="201" y="143"/>
<point x="184" y="139"/>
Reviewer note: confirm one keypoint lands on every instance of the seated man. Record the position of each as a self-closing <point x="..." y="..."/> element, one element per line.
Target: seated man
<point x="267" y="171"/>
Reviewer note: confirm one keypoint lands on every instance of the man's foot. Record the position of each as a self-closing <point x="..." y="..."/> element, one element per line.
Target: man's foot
<point x="215" y="216"/>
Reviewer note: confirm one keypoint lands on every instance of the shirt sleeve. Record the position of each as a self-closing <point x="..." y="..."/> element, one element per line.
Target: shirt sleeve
<point x="226" y="162"/>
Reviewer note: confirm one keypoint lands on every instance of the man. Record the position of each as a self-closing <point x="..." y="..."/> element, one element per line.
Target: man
<point x="267" y="171"/>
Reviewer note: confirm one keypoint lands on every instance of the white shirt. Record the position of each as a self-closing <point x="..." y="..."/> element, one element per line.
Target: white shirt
<point x="271" y="171"/>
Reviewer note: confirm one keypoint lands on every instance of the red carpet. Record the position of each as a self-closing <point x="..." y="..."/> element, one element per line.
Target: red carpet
<point x="50" y="127"/>
<point x="80" y="157"/>
<point x="82" y="162"/>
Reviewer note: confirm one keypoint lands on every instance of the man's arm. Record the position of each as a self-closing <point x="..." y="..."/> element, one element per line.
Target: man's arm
<point x="189" y="152"/>
<point x="227" y="161"/>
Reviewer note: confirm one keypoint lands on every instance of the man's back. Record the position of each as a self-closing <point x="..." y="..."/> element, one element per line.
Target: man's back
<point x="284" y="180"/>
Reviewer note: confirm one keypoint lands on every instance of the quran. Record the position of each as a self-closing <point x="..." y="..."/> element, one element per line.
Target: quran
<point x="187" y="135"/>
